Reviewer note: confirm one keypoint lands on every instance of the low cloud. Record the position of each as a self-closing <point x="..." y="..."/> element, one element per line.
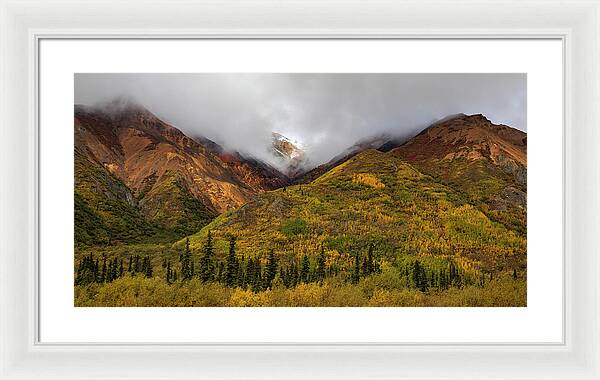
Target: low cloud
<point x="325" y="112"/>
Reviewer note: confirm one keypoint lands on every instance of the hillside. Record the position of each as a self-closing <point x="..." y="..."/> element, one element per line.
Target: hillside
<point x="377" y="198"/>
<point x="487" y="162"/>
<point x="169" y="180"/>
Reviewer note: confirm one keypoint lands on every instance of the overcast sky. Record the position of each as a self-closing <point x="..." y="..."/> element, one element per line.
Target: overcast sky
<point x="325" y="112"/>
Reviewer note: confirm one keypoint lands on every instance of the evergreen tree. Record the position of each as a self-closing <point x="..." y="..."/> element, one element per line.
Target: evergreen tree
<point x="356" y="271"/>
<point x="320" y="271"/>
<point x="250" y="273"/>
<point x="86" y="273"/>
<point x="254" y="274"/>
<point x="304" y="270"/>
<point x="231" y="267"/>
<point x="137" y="264"/>
<point x="147" y="267"/>
<point x="115" y="270"/>
<point x="96" y="269"/>
<point x="207" y="270"/>
<point x="169" y="272"/>
<point x="270" y="269"/>
<point x="368" y="266"/>
<point x="419" y="276"/>
<point x="187" y="262"/>
<point x="103" y="274"/>
<point x="241" y="276"/>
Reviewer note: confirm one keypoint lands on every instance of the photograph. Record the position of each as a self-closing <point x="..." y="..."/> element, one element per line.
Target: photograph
<point x="300" y="190"/>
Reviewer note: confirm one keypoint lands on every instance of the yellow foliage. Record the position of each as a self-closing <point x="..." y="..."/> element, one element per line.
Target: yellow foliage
<point x="367" y="179"/>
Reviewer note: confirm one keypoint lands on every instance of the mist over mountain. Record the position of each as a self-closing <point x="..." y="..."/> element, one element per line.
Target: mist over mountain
<point x="324" y="113"/>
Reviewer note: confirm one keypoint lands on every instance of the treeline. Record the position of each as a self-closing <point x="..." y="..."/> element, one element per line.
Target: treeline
<point x="91" y="270"/>
<point x="441" y="277"/>
<point x="259" y="274"/>
<point x="265" y="272"/>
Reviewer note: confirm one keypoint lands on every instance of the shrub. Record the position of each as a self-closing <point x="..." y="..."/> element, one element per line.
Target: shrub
<point x="293" y="227"/>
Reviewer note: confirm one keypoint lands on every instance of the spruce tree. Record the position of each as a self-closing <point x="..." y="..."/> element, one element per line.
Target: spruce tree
<point x="137" y="264"/>
<point x="320" y="271"/>
<point x="231" y="266"/>
<point x="148" y="267"/>
<point x="368" y="266"/>
<point x="305" y="270"/>
<point x="96" y="268"/>
<point x="207" y="270"/>
<point x="250" y="273"/>
<point x="115" y="270"/>
<point x="186" y="262"/>
<point x="356" y="271"/>
<point x="103" y="274"/>
<point x="168" y="272"/>
<point x="270" y="269"/>
<point x="419" y="276"/>
<point x="241" y="277"/>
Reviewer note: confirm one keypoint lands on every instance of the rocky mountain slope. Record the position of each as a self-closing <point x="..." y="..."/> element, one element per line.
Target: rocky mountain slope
<point x="291" y="154"/>
<point x="170" y="179"/>
<point x="488" y="162"/>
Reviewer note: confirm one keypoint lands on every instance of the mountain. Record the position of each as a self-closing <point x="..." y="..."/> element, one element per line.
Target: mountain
<point x="256" y="173"/>
<point x="155" y="171"/>
<point x="358" y="147"/>
<point x="438" y="220"/>
<point x="290" y="152"/>
<point x="488" y="162"/>
<point x="457" y="189"/>
<point x="372" y="198"/>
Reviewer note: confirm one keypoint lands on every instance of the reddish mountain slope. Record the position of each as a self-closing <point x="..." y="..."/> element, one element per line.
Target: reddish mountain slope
<point x="486" y="161"/>
<point x="172" y="178"/>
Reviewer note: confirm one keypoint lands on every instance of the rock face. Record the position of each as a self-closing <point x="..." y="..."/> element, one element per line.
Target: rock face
<point x="290" y="153"/>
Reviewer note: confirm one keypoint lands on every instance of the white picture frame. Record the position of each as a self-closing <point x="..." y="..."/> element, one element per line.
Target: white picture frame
<point x="24" y="24"/>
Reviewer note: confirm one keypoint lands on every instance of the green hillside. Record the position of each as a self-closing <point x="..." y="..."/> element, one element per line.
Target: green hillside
<point x="493" y="189"/>
<point x="374" y="198"/>
<point x="107" y="212"/>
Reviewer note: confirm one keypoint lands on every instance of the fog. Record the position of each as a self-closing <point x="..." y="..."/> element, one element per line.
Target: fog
<point x="326" y="113"/>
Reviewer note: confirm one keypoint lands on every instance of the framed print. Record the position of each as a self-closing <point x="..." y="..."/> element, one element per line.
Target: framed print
<point x="408" y="187"/>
